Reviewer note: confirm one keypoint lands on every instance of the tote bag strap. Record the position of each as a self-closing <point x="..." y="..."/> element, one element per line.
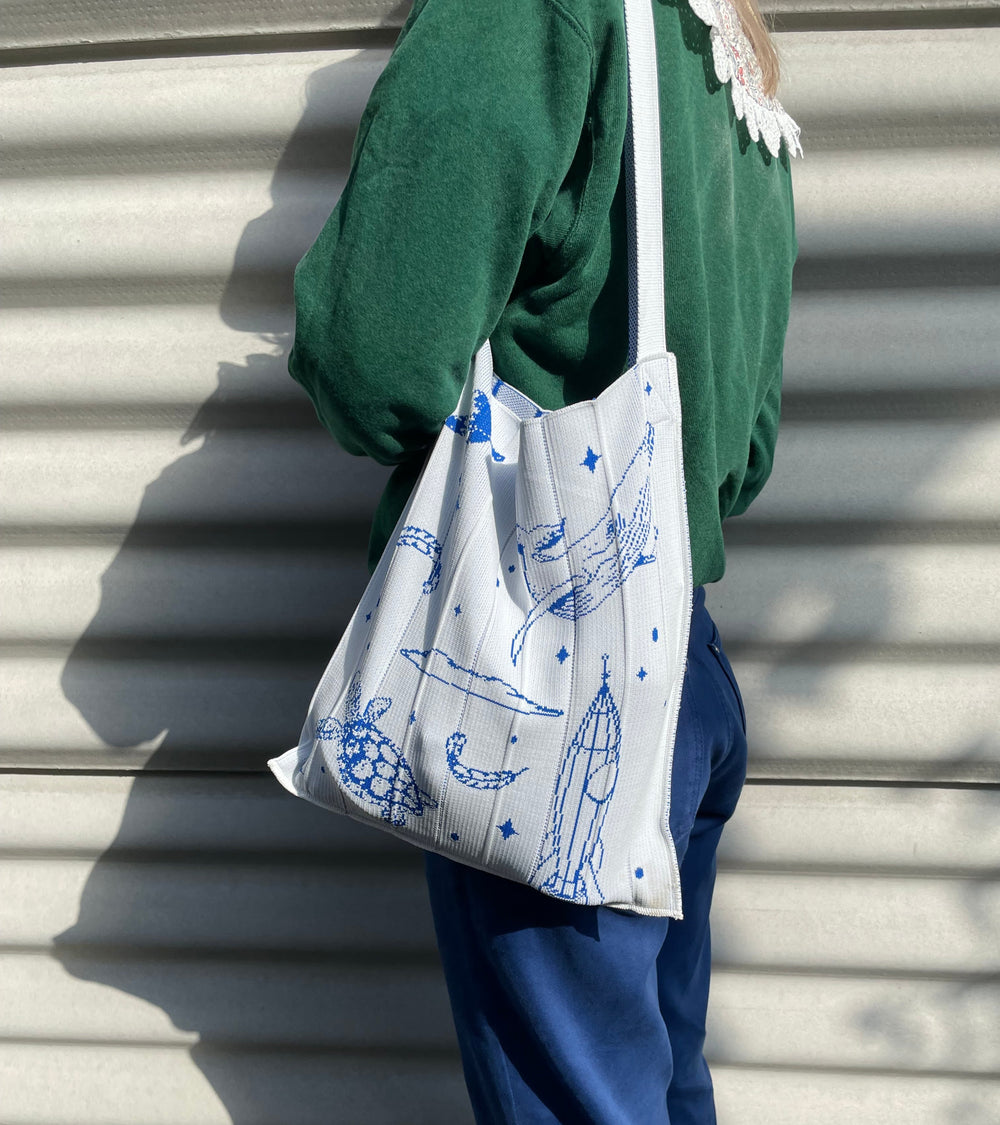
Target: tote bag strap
<point x="644" y="197"/>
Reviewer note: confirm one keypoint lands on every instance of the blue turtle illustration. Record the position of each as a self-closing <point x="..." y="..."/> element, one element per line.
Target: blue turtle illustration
<point x="371" y="765"/>
<point x="601" y="559"/>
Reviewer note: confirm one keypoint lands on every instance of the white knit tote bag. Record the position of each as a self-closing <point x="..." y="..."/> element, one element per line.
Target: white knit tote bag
<point x="507" y="691"/>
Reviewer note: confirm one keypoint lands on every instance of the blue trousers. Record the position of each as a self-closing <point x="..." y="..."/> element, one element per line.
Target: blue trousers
<point x="585" y="1015"/>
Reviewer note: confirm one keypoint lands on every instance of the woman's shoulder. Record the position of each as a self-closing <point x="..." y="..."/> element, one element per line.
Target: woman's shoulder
<point x="710" y="31"/>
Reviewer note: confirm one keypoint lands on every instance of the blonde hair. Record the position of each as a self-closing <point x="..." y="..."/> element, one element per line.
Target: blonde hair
<point x="757" y="31"/>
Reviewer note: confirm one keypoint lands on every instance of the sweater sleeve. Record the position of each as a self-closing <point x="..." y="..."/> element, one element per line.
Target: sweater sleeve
<point x="469" y="132"/>
<point x="763" y="439"/>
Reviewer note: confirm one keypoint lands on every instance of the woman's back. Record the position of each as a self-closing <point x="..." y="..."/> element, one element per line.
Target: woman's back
<point x="487" y="199"/>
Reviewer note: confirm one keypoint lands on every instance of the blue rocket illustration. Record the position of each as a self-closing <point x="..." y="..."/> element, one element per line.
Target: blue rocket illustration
<point x="371" y="765"/>
<point x="602" y="557"/>
<point x="572" y="851"/>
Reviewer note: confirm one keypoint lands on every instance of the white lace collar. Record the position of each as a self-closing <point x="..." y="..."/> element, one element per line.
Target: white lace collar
<point x="736" y="63"/>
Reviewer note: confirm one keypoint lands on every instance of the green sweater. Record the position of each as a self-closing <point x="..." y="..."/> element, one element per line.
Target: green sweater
<point x="485" y="199"/>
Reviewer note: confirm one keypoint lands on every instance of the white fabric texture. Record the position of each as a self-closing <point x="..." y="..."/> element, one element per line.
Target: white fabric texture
<point x="507" y="691"/>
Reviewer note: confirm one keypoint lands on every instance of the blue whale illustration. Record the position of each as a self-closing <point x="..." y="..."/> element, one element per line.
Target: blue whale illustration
<point x="603" y="557"/>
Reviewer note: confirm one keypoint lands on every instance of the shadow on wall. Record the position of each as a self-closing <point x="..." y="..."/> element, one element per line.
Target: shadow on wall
<point x="302" y="956"/>
<point x="294" y="946"/>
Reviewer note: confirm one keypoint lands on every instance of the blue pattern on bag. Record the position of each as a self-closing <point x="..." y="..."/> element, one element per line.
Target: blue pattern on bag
<point x="611" y="550"/>
<point x="470" y="775"/>
<point x="450" y="672"/>
<point x="590" y="461"/>
<point x="572" y="852"/>
<point x="371" y="765"/>
<point x="517" y="403"/>
<point x="478" y="426"/>
<point x="427" y="543"/>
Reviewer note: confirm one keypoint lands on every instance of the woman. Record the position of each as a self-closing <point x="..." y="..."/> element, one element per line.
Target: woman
<point x="486" y="199"/>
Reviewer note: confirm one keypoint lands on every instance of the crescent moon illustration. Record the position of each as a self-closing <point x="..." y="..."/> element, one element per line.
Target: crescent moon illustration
<point x="470" y="775"/>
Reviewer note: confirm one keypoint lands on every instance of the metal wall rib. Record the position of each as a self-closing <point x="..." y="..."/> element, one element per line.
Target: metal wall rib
<point x="181" y="543"/>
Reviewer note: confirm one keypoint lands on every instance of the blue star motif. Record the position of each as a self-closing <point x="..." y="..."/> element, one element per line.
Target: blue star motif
<point x="368" y="616"/>
<point x="656" y="634"/>
<point x="562" y="654"/>
<point x="458" y="610"/>
<point x="590" y="461"/>
<point x="642" y="673"/>
<point x="454" y="835"/>
<point x="510" y="569"/>
<point x="513" y="738"/>
<point x="413" y="716"/>
<point x="648" y="388"/>
<point x="639" y="872"/>
<point x="507" y="829"/>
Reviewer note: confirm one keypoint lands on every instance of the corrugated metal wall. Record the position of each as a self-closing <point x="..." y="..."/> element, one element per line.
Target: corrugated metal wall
<point x="181" y="941"/>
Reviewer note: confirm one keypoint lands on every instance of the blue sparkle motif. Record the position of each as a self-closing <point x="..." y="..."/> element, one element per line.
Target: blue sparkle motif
<point x="639" y="873"/>
<point x="642" y="673"/>
<point x="458" y="610"/>
<point x="656" y="635"/>
<point x="368" y="616"/>
<point x="507" y="829"/>
<point x="590" y="461"/>
<point x="454" y="835"/>
<point x="648" y="388"/>
<point x="572" y="852"/>
<point x="562" y="654"/>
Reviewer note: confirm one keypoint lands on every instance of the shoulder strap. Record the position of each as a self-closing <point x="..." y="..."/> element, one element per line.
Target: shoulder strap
<point x="644" y="197"/>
